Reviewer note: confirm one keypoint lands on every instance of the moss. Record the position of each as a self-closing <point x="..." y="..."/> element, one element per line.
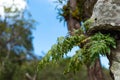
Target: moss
<point x="65" y="11"/>
<point x="77" y="13"/>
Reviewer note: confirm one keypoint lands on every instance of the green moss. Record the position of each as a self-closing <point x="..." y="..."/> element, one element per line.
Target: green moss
<point x="76" y="14"/>
<point x="65" y="11"/>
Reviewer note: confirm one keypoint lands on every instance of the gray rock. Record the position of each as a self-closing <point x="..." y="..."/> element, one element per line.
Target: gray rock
<point x="107" y="14"/>
<point x="107" y="18"/>
<point x="115" y="62"/>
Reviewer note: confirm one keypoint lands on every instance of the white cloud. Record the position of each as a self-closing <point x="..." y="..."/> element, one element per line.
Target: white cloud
<point x="20" y="4"/>
<point x="13" y="4"/>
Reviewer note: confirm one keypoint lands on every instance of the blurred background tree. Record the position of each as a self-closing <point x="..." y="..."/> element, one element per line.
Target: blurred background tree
<point x="15" y="42"/>
<point x="55" y="72"/>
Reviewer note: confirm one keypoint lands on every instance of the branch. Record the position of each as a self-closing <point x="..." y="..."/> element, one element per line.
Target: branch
<point x="29" y="77"/>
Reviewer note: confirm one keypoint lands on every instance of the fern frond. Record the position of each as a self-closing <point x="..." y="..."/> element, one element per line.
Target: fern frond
<point x="63" y="46"/>
<point x="75" y="62"/>
<point x="92" y="48"/>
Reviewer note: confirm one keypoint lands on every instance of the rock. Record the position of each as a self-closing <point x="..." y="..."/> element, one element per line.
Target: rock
<point x="115" y="62"/>
<point x="107" y="20"/>
<point x="107" y="15"/>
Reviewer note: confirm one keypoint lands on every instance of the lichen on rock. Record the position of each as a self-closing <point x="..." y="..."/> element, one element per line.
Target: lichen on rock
<point x="107" y="15"/>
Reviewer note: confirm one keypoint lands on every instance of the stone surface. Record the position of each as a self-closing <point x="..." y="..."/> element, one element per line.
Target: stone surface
<point x="107" y="15"/>
<point x="115" y="62"/>
<point x="107" y="18"/>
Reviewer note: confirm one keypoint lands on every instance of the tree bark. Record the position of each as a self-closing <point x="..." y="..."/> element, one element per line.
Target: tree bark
<point x="114" y="59"/>
<point x="88" y="8"/>
<point x="72" y="23"/>
<point x="95" y="72"/>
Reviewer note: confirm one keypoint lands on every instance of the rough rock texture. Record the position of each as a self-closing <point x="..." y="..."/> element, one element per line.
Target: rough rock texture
<point x="107" y="19"/>
<point x="115" y="62"/>
<point x="107" y="16"/>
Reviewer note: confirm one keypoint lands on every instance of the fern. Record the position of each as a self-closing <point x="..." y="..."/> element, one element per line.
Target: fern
<point x="63" y="46"/>
<point x="96" y="45"/>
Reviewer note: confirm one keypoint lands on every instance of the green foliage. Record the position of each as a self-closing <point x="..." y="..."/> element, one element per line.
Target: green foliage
<point x="63" y="46"/>
<point x="98" y="44"/>
<point x="76" y="14"/>
<point x="15" y="42"/>
<point x="65" y="11"/>
<point x="91" y="48"/>
<point x="88" y="23"/>
<point x="55" y="72"/>
<point x="75" y="62"/>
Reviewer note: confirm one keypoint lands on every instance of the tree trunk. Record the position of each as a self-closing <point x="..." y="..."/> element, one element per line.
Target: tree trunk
<point x="94" y="73"/>
<point x="72" y="23"/>
<point x="114" y="59"/>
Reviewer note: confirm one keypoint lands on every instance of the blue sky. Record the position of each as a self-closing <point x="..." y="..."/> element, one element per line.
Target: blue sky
<point x="48" y="27"/>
